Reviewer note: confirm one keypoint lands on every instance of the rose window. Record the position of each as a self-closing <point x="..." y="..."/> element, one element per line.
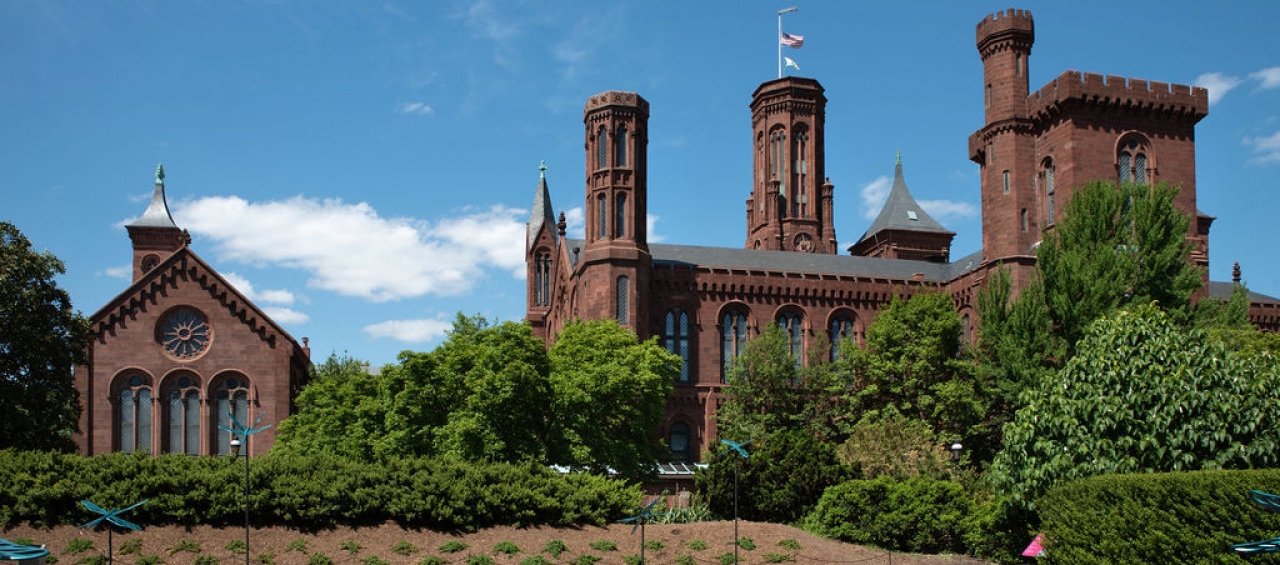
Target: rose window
<point x="184" y="333"/>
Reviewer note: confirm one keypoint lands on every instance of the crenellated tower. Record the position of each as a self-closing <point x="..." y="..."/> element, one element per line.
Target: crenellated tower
<point x="791" y="198"/>
<point x="615" y="261"/>
<point x="154" y="235"/>
<point x="1005" y="147"/>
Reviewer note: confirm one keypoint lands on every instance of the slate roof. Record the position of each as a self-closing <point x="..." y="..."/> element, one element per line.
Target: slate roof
<point x="1222" y="291"/>
<point x="669" y="256"/>
<point x="902" y="212"/>
<point x="542" y="213"/>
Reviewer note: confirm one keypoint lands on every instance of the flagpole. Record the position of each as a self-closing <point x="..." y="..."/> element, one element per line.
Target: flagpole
<point x="780" y="12"/>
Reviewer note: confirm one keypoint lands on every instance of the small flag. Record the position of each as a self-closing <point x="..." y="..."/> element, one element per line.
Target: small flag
<point x="792" y="41"/>
<point x="791" y="63"/>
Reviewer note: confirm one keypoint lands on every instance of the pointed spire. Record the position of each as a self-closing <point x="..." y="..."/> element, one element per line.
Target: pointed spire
<point x="901" y="211"/>
<point x="157" y="213"/>
<point x="542" y="214"/>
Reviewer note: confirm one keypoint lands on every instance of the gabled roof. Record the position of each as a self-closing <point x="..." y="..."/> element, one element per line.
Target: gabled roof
<point x="901" y="211"/>
<point x="542" y="214"/>
<point x="1222" y="291"/>
<point x="185" y="267"/>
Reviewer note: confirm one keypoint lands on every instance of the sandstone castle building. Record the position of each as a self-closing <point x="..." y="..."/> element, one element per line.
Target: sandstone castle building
<point x="704" y="303"/>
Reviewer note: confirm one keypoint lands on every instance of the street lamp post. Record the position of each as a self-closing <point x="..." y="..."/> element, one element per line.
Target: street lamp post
<point x="235" y="452"/>
<point x="955" y="448"/>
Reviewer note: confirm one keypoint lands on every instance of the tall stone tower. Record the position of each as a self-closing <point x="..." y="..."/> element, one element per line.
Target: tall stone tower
<point x="1005" y="146"/>
<point x="615" y="259"/>
<point x="790" y="204"/>
<point x="154" y="235"/>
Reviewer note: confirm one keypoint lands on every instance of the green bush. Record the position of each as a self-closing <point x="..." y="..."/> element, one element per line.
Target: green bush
<point x="555" y="547"/>
<point x="603" y="545"/>
<point x="373" y="560"/>
<point x="206" y="559"/>
<point x="151" y="559"/>
<point x="747" y="544"/>
<point x="94" y="559"/>
<point x="791" y="544"/>
<point x="76" y="546"/>
<point x="131" y="546"/>
<point x="452" y="546"/>
<point x="44" y="489"/>
<point x="403" y="547"/>
<point x="697" y="545"/>
<point x="631" y="560"/>
<point x="654" y="545"/>
<point x="686" y="559"/>
<point x="319" y="559"/>
<point x="535" y="560"/>
<point x="479" y="560"/>
<point x="920" y="515"/>
<point x="506" y="548"/>
<point x="585" y="559"/>
<point x="299" y="545"/>
<point x="433" y="560"/>
<point x="774" y="557"/>
<point x="727" y="558"/>
<point x="190" y="546"/>
<point x="1188" y="517"/>
<point x="350" y="546"/>
<point x="236" y="546"/>
<point x="268" y="558"/>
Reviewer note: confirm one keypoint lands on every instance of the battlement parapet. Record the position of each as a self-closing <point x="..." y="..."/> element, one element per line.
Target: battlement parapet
<point x="1071" y="87"/>
<point x="1009" y="24"/>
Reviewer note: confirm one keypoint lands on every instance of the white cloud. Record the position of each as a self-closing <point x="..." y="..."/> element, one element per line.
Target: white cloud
<point x="351" y="250"/>
<point x="873" y="196"/>
<point x="286" y="315"/>
<point x="649" y="221"/>
<point x="416" y="108"/>
<point x="246" y="288"/>
<point x="1269" y="77"/>
<point x="943" y="209"/>
<point x="1268" y="147"/>
<point x="409" y="331"/>
<point x="575" y="222"/>
<point x="1219" y="85"/>
<point x="122" y="272"/>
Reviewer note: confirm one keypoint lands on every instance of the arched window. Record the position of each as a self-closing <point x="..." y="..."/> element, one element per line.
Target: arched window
<point x="792" y="325"/>
<point x="620" y="215"/>
<point x="134" y="417"/>
<point x="1132" y="160"/>
<point x="623" y="300"/>
<point x="542" y="279"/>
<point x="800" y="196"/>
<point x="1022" y="218"/>
<point x="182" y="419"/>
<point x="675" y="337"/>
<point x="602" y="216"/>
<point x="602" y="148"/>
<point x="778" y="157"/>
<point x="620" y="147"/>
<point x="841" y="331"/>
<point x="1050" y="201"/>
<point x="966" y="327"/>
<point x="679" y="440"/>
<point x="733" y="337"/>
<point x="231" y="396"/>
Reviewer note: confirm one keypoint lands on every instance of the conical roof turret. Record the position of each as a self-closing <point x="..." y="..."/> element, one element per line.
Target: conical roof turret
<point x="157" y="213"/>
<point x="542" y="213"/>
<point x="901" y="211"/>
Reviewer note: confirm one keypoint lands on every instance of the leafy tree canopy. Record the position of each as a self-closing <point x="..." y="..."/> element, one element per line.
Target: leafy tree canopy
<point x="769" y="390"/>
<point x="1143" y="394"/>
<point x="41" y="341"/>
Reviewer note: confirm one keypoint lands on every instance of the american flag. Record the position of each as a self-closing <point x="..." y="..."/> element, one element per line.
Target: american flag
<point x="792" y="41"/>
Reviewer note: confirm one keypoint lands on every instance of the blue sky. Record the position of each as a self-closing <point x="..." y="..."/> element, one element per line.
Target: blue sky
<point x="364" y="170"/>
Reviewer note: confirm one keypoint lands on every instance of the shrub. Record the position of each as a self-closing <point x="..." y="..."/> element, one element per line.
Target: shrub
<point x="131" y="546"/>
<point x="774" y="557"/>
<point x="479" y="560"/>
<point x="95" y="559"/>
<point x="654" y="545"/>
<point x="403" y="547"/>
<point x="50" y="559"/>
<point x="727" y="558"/>
<point x="190" y="546"/>
<point x="920" y="515"/>
<point x="697" y="545"/>
<point x="151" y="559"/>
<point x="319" y="559"/>
<point x="747" y="544"/>
<point x="452" y="546"/>
<point x="350" y="546"/>
<point x="433" y="560"/>
<point x="632" y="560"/>
<point x="603" y="545"/>
<point x="373" y="560"/>
<point x="236" y="546"/>
<point x="585" y="559"/>
<point x="506" y="548"/>
<point x="299" y="545"/>
<point x="555" y="547"/>
<point x="268" y="558"/>
<point x="535" y="560"/>
<point x="28" y="541"/>
<point x="791" y="544"/>
<point x="77" y="546"/>
<point x="1157" y="518"/>
<point x="686" y="559"/>
<point x="206" y="559"/>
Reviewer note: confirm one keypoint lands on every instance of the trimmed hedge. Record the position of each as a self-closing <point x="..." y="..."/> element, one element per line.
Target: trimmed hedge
<point x="921" y="514"/>
<point x="1189" y="517"/>
<point x="44" y="489"/>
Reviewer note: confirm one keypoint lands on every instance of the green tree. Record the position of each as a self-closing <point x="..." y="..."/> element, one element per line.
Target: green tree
<point x="1142" y="395"/>
<point x="339" y="413"/>
<point x="1113" y="247"/>
<point x="782" y="480"/>
<point x="610" y="394"/>
<point x="41" y="341"/>
<point x="770" y="390"/>
<point x="911" y="364"/>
